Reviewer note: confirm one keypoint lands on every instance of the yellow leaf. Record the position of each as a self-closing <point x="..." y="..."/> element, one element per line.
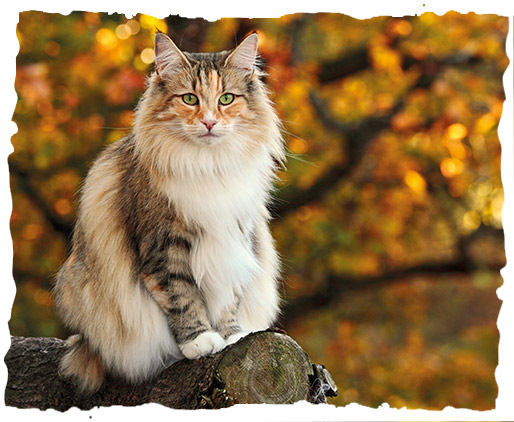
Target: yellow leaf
<point x="456" y="132"/>
<point x="298" y="146"/>
<point x="451" y="167"/>
<point x="485" y="123"/>
<point x="106" y="38"/>
<point x="415" y="181"/>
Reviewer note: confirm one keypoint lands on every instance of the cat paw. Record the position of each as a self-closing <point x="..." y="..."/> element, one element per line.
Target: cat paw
<point x="205" y="344"/>
<point x="236" y="337"/>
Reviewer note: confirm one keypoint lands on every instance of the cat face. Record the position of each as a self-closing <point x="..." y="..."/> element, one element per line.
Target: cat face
<point x="206" y="113"/>
<point x="207" y="98"/>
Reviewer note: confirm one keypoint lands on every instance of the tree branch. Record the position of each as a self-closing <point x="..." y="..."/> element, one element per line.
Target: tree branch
<point x="357" y="60"/>
<point x="22" y="178"/>
<point x="263" y="367"/>
<point x="336" y="286"/>
<point x="357" y="136"/>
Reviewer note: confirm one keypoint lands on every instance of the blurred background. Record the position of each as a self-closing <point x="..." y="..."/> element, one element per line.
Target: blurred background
<point x="388" y="217"/>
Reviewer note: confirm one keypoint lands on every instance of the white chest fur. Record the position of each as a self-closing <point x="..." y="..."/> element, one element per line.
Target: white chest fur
<point x="225" y="206"/>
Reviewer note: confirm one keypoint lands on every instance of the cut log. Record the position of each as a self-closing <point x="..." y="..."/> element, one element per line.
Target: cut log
<point x="263" y="367"/>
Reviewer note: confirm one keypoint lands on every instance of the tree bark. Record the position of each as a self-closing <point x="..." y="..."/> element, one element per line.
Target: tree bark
<point x="263" y="367"/>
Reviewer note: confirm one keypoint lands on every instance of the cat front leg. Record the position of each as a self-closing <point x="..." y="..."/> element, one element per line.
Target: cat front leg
<point x="228" y="325"/>
<point x="167" y="276"/>
<point x="179" y="297"/>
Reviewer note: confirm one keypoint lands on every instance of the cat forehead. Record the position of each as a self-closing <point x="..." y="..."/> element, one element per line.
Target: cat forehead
<point x="208" y="71"/>
<point x="207" y="61"/>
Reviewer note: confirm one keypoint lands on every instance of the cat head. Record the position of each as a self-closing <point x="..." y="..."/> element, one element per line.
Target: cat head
<point x="207" y="103"/>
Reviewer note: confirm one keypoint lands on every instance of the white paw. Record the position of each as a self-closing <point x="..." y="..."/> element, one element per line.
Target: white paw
<point x="205" y="344"/>
<point x="236" y="336"/>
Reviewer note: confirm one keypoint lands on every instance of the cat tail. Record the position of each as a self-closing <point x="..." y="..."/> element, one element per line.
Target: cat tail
<point x="80" y="363"/>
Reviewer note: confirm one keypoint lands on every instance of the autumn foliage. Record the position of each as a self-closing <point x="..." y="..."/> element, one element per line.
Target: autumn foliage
<point x="388" y="217"/>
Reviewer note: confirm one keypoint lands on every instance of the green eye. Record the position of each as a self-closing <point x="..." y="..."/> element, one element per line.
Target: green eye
<point x="226" y="99"/>
<point x="190" y="99"/>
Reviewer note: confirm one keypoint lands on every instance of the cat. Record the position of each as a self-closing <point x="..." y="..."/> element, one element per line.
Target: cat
<point x="171" y="254"/>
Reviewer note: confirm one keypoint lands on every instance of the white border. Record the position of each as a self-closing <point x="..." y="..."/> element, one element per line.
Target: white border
<point x="213" y="10"/>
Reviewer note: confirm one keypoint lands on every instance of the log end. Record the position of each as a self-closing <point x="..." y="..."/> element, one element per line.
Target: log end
<point x="265" y="367"/>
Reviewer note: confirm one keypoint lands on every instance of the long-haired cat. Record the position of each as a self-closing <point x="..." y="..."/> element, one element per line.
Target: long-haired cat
<point x="171" y="253"/>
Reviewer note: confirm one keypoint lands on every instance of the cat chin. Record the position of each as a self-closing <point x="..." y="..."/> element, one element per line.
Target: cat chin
<point x="210" y="140"/>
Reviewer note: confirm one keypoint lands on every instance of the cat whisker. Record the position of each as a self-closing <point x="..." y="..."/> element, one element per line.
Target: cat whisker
<point x="292" y="122"/>
<point x="298" y="157"/>
<point x="114" y="128"/>
<point x="293" y="134"/>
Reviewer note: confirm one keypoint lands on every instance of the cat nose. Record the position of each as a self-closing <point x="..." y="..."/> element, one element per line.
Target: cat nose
<point x="209" y="123"/>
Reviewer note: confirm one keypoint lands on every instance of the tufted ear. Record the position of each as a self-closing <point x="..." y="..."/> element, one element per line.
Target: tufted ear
<point x="168" y="57"/>
<point x="244" y="55"/>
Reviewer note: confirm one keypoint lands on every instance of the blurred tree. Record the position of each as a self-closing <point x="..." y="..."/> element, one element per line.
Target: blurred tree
<point x="388" y="217"/>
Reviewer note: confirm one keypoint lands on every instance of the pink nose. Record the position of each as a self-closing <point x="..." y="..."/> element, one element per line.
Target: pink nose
<point x="209" y="123"/>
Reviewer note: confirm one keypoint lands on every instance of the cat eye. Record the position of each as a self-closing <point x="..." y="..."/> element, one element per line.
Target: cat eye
<point x="226" y="99"/>
<point x="190" y="99"/>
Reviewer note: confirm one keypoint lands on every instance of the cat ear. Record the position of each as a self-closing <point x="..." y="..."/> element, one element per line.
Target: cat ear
<point x="244" y="55"/>
<point x="168" y="57"/>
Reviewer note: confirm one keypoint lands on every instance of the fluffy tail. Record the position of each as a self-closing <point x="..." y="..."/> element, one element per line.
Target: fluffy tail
<point x="82" y="364"/>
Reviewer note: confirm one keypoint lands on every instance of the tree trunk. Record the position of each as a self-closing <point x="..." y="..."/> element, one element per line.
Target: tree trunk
<point x="263" y="367"/>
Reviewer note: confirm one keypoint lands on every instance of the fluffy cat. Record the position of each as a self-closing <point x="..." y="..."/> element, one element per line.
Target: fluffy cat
<point x="171" y="253"/>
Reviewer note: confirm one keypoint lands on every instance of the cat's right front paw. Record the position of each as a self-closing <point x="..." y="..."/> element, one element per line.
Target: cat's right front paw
<point x="207" y="343"/>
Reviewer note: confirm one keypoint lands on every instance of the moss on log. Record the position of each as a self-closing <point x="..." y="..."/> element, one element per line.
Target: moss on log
<point x="263" y="367"/>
